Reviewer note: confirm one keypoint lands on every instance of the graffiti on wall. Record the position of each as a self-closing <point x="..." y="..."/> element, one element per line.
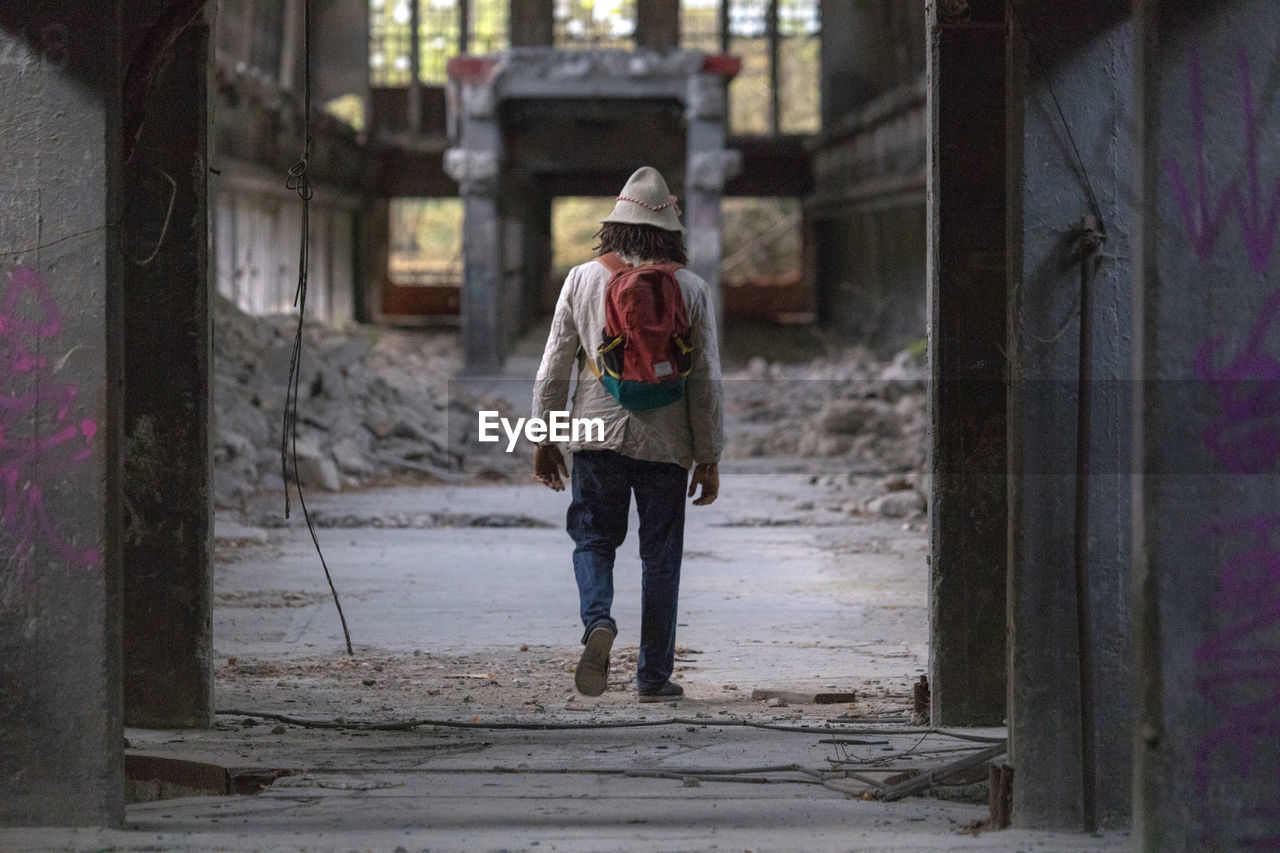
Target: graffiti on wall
<point x="41" y="438"/>
<point x="1257" y="210"/>
<point x="1238" y="665"/>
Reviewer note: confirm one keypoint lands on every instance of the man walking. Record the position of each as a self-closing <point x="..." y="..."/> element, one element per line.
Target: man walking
<point x="608" y="313"/>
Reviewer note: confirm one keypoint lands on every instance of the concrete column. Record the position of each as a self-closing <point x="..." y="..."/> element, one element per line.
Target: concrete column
<point x="168" y="631"/>
<point x="1205" y="521"/>
<point x="476" y="164"/>
<point x="536" y="252"/>
<point x="967" y="335"/>
<point x="373" y="227"/>
<point x="531" y="23"/>
<point x="61" y="760"/>
<point x="1084" y="56"/>
<point x="658" y="23"/>
<point x="709" y="165"/>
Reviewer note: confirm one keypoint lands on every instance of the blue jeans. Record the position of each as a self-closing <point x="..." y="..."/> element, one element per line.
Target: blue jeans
<point x="602" y="484"/>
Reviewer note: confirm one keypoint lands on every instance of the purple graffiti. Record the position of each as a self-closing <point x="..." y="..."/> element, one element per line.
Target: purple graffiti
<point x="39" y="436"/>
<point x="1246" y="435"/>
<point x="1203" y="218"/>
<point x="1238" y="668"/>
<point x="1238" y="664"/>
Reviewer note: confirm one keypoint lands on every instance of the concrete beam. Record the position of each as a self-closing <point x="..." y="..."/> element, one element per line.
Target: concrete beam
<point x="168" y="633"/>
<point x="1064" y="782"/>
<point x="1205" y="522"/>
<point x="967" y="336"/>
<point x="61" y="756"/>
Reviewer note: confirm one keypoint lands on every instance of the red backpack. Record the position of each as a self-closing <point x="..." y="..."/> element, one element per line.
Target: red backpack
<point x="645" y="353"/>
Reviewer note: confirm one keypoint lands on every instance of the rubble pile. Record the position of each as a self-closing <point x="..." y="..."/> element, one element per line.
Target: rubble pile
<point x="870" y="413"/>
<point x="378" y="406"/>
<point x="848" y="405"/>
<point x="375" y="406"/>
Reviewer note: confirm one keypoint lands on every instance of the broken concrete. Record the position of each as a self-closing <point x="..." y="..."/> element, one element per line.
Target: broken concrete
<point x="375" y="406"/>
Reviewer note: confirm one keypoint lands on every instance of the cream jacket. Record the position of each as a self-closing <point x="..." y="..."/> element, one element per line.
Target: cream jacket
<point x="687" y="431"/>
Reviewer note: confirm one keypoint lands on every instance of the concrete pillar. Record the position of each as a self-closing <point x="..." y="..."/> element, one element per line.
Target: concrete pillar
<point x="61" y="760"/>
<point x="476" y="164"/>
<point x="967" y="336"/>
<point x="373" y="227"/>
<point x="531" y="23"/>
<point x="1205" y="554"/>
<point x="658" y="23"/>
<point x="1087" y="56"/>
<point x="168" y="631"/>
<point x="708" y="166"/>
<point x="536" y="250"/>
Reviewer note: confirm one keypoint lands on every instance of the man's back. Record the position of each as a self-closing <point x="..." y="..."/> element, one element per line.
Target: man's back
<point x="688" y="430"/>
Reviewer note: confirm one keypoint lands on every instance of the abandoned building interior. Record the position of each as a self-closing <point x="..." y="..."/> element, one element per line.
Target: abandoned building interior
<point x="993" y="280"/>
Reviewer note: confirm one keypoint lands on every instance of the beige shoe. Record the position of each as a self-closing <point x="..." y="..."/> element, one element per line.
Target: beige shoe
<point x="592" y="675"/>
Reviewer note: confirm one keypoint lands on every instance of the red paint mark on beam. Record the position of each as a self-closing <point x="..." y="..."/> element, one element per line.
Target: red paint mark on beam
<point x="471" y="69"/>
<point x="722" y="64"/>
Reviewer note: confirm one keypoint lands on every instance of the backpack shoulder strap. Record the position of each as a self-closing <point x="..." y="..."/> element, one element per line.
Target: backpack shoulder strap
<point x="613" y="263"/>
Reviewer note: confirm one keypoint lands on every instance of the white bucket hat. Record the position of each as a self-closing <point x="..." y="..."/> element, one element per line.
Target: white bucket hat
<point x="645" y="200"/>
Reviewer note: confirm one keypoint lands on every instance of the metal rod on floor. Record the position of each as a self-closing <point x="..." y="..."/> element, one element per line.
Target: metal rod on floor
<point x="1090" y="246"/>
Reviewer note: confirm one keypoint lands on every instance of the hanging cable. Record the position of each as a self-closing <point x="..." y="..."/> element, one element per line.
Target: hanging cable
<point x="297" y="181"/>
<point x="1053" y="95"/>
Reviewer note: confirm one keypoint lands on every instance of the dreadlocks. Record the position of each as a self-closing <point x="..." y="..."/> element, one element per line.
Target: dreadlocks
<point x="646" y="242"/>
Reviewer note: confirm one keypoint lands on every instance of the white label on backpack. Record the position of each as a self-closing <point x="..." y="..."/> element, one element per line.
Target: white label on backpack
<point x="662" y="368"/>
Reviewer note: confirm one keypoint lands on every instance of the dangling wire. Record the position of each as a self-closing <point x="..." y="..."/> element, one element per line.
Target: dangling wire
<point x="298" y="182"/>
<point x="1095" y="208"/>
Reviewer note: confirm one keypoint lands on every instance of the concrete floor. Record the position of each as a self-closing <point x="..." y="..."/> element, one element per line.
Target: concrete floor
<point x="783" y="588"/>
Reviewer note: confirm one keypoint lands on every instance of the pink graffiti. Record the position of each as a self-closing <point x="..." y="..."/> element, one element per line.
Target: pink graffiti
<point x="1204" y="219"/>
<point x="39" y="437"/>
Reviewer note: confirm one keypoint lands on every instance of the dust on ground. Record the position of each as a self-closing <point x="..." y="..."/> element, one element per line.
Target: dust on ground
<point x="529" y="683"/>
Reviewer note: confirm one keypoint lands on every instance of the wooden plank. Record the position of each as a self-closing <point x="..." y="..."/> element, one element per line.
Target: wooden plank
<point x="1000" y="796"/>
<point x="797" y="697"/>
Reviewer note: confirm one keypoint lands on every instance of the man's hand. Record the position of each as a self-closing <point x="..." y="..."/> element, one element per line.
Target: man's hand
<point x="548" y="467"/>
<point x="706" y="474"/>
